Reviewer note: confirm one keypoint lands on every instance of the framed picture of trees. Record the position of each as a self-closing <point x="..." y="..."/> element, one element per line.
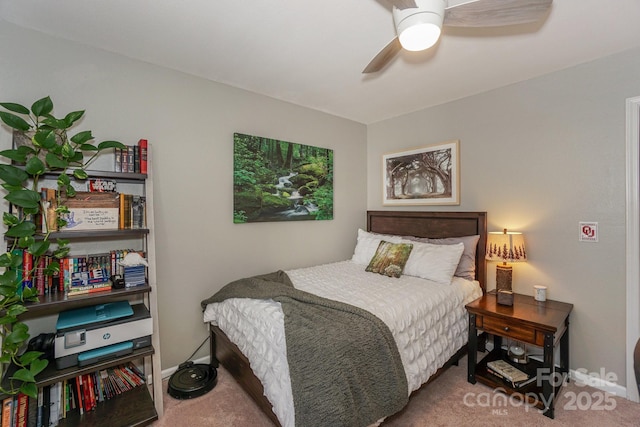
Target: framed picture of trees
<point x="426" y="175"/>
<point x="276" y="180"/>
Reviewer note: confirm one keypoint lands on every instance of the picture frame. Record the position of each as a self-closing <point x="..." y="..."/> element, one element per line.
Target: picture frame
<point x="426" y="175"/>
<point x="275" y="180"/>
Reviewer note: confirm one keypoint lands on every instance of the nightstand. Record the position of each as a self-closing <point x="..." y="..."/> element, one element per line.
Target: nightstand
<point x="543" y="324"/>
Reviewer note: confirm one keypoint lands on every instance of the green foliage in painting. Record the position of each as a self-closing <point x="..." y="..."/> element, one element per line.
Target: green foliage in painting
<point x="281" y="181"/>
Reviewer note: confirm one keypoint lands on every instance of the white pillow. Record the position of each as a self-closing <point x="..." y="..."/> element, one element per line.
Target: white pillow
<point x="433" y="262"/>
<point x="367" y="245"/>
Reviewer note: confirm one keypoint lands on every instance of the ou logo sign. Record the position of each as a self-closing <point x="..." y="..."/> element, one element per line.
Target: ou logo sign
<point x="588" y="231"/>
<point x="106" y="336"/>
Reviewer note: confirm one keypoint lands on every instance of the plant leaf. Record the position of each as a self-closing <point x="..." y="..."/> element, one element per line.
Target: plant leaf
<point x="88" y="147"/>
<point x="23" y="375"/>
<point x="30" y="389"/>
<point x="55" y="123"/>
<point x="67" y="151"/>
<point x="21" y="230"/>
<point x="13" y="175"/>
<point x="110" y="144"/>
<point x="56" y="162"/>
<point x="80" y="174"/>
<point x="29" y="356"/>
<point x="16" y="310"/>
<point x="82" y="137"/>
<point x="72" y="117"/>
<point x="16" y="108"/>
<point x="15" y="155"/>
<point x="38" y="365"/>
<point x="14" y="121"/>
<point x="17" y="336"/>
<point x="25" y="241"/>
<point x="42" y="107"/>
<point x="24" y="198"/>
<point x="35" y="166"/>
<point x="39" y="247"/>
<point x="7" y="320"/>
<point x="45" y="139"/>
<point x="9" y="219"/>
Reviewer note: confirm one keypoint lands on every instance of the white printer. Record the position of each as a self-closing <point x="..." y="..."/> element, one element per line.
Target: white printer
<point x="90" y="334"/>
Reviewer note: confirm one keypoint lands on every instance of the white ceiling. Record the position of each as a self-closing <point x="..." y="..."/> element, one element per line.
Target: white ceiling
<point x="311" y="53"/>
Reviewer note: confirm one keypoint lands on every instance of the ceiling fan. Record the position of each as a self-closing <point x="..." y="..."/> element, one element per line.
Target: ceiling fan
<point x="419" y="22"/>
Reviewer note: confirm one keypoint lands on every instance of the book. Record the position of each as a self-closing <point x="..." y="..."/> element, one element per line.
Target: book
<point x="130" y="159"/>
<point x="138" y="207"/>
<point x="39" y="412"/>
<point x="117" y="153"/>
<point x="143" y="146"/>
<point x="40" y="277"/>
<point x="32" y="411"/>
<point x="49" y="221"/>
<point x="507" y="371"/>
<point x="27" y="269"/>
<point x="7" y="410"/>
<point x="89" y="289"/>
<point x="124" y="159"/>
<point x="21" y="413"/>
<point x="136" y="158"/>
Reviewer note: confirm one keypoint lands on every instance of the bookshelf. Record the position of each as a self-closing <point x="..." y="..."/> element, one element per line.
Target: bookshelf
<point x="143" y="404"/>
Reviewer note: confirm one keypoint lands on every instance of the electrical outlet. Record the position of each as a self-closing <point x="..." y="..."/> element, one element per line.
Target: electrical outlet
<point x="588" y="232"/>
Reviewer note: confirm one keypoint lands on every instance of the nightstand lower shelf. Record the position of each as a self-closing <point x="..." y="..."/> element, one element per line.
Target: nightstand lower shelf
<point x="531" y="393"/>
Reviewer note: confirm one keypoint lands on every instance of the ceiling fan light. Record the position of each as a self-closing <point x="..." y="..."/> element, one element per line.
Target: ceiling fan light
<point x="419" y="28"/>
<point x="419" y="37"/>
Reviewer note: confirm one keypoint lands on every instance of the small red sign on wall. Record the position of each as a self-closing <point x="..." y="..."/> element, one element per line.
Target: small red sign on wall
<point x="588" y="231"/>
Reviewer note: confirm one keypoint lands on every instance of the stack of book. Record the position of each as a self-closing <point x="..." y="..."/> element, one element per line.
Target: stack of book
<point x="80" y="394"/>
<point x="88" y="281"/>
<point x="506" y="371"/>
<point x="132" y="158"/>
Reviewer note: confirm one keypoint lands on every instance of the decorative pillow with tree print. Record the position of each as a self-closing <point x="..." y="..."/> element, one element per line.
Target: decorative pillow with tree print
<point x="390" y="258"/>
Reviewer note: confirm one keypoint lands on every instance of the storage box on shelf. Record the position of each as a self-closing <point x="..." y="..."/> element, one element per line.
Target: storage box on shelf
<point x="140" y="405"/>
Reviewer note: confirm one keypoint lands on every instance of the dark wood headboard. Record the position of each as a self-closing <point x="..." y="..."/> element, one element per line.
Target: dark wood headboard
<point x="435" y="225"/>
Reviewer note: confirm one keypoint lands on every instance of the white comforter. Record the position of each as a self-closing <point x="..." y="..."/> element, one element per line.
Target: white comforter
<point x="428" y="322"/>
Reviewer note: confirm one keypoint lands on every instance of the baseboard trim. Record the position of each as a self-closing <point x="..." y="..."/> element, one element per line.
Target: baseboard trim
<point x="166" y="373"/>
<point x="599" y="383"/>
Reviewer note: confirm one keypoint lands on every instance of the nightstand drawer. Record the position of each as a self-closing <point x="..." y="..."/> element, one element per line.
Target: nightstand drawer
<point x="508" y="329"/>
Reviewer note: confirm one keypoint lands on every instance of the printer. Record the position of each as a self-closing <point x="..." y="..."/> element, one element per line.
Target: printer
<point x="91" y="334"/>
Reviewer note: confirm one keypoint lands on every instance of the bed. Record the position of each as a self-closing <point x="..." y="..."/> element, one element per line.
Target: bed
<point x="449" y="339"/>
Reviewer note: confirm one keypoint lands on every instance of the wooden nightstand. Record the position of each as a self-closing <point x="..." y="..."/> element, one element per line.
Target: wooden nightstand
<point x="543" y="324"/>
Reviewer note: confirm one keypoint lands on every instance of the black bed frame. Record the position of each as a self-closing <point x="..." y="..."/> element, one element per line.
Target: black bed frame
<point x="409" y="223"/>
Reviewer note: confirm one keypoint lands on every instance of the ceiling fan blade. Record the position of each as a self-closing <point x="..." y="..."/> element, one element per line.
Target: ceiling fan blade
<point x="496" y="13"/>
<point x="383" y="57"/>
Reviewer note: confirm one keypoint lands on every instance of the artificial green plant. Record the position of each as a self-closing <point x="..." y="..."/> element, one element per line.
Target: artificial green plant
<point x="49" y="149"/>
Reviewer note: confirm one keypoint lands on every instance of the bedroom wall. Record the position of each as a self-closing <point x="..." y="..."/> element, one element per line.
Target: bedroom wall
<point x="539" y="157"/>
<point x="190" y="123"/>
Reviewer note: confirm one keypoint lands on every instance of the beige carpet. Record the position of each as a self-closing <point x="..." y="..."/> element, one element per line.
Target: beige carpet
<point x="448" y="401"/>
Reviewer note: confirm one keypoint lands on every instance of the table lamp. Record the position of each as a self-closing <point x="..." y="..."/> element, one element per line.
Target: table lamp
<point x="508" y="247"/>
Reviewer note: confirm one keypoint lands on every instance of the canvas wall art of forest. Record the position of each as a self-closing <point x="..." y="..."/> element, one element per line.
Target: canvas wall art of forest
<point x="276" y="180"/>
<point x="426" y="175"/>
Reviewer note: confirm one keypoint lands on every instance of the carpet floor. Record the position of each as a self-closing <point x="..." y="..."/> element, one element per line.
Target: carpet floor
<point x="448" y="401"/>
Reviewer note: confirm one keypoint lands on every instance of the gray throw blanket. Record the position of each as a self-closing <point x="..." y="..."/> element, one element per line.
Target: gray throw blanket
<point x="344" y="364"/>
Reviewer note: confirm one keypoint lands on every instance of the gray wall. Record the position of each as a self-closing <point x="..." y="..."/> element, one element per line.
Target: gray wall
<point x="539" y="157"/>
<point x="190" y="123"/>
